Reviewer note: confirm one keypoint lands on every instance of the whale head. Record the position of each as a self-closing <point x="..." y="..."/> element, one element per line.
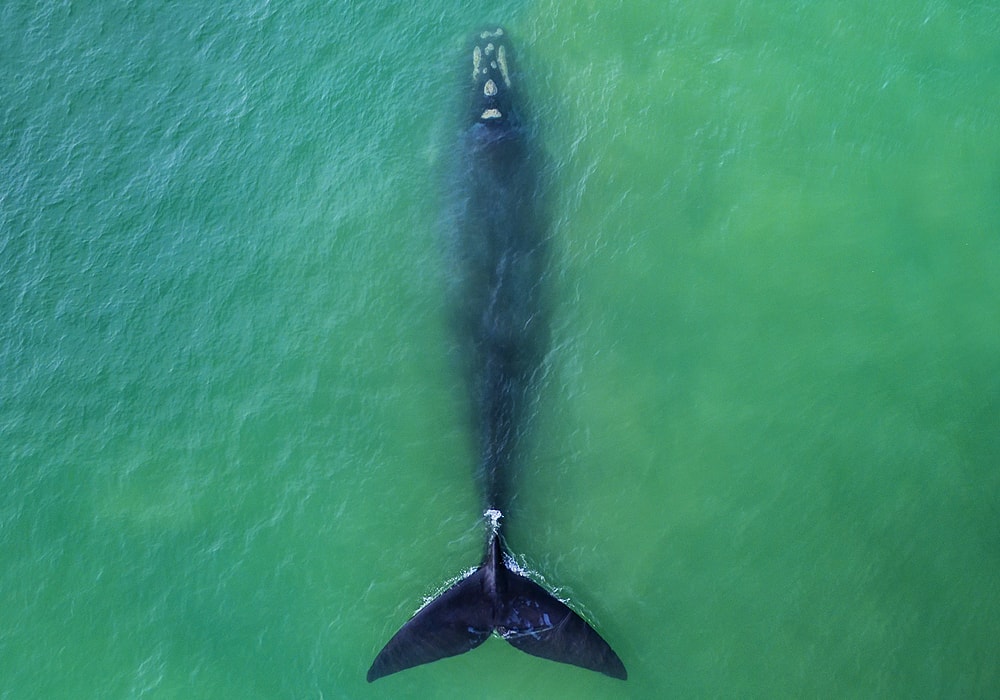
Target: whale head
<point x="491" y="78"/>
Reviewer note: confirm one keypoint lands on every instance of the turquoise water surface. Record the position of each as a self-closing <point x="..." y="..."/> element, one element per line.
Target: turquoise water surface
<point x="234" y="453"/>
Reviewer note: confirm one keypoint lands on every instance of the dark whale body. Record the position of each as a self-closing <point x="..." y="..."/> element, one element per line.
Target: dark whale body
<point x="501" y="245"/>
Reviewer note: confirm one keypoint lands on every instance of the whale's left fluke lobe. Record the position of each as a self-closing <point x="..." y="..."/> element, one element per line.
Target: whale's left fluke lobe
<point x="455" y="622"/>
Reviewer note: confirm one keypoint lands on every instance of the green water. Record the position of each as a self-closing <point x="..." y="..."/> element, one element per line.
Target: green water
<point x="233" y="453"/>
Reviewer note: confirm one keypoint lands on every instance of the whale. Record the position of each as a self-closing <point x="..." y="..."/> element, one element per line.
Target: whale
<point x="501" y="250"/>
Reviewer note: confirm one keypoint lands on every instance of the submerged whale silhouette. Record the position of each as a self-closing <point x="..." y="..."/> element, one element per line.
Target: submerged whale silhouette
<point x="502" y="328"/>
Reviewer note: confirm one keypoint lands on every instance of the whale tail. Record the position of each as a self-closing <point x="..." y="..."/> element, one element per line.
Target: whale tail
<point x="494" y="599"/>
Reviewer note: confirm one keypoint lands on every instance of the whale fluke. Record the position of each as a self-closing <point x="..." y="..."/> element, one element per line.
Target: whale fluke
<point x="495" y="599"/>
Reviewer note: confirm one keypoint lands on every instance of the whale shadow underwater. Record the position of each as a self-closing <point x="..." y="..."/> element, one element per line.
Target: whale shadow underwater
<point x="501" y="241"/>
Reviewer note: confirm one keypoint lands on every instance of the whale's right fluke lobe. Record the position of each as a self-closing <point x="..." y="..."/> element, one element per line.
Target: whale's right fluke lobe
<point x="496" y="599"/>
<point x="540" y="624"/>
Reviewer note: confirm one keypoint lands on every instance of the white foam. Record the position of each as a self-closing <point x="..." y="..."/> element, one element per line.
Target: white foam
<point x="448" y="584"/>
<point x="493" y="515"/>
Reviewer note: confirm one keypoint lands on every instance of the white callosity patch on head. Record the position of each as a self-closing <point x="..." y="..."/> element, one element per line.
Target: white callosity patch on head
<point x="502" y="63"/>
<point x="489" y="56"/>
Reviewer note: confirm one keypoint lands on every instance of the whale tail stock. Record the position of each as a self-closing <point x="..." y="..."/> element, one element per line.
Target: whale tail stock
<point x="495" y="599"/>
